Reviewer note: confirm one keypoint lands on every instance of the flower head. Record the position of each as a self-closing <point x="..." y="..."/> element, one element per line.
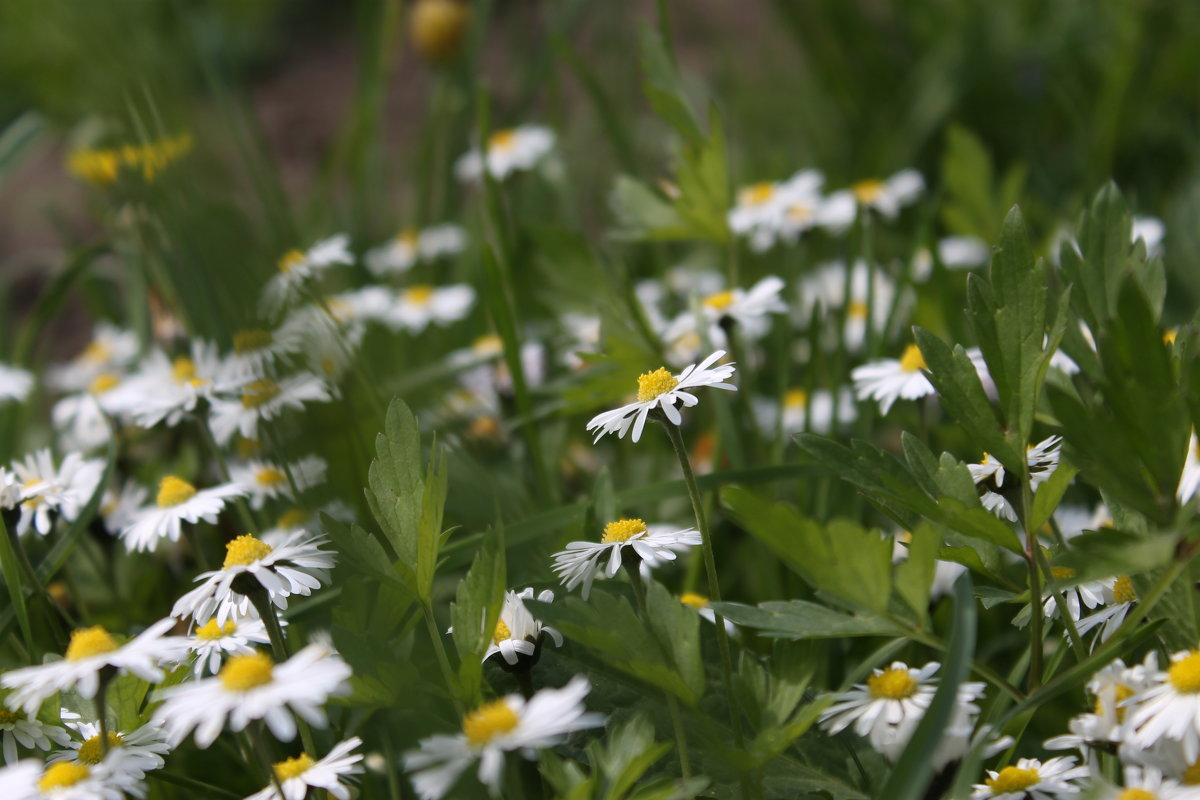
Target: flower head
<point x="580" y="562"/>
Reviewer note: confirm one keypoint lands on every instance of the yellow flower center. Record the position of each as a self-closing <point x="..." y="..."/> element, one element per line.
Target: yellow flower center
<point x="90" y="751"/>
<point x="1123" y="591"/>
<point x="260" y="392"/>
<point x="796" y="399"/>
<point x="183" y="370"/>
<point x="1184" y="674"/>
<point x="653" y="384"/>
<point x="251" y="340"/>
<point x="488" y="721"/>
<point x="292" y="519"/>
<point x="88" y="642"/>
<point x="419" y="295"/>
<point x="290" y="260"/>
<point x="1013" y="779"/>
<point x="9" y="717"/>
<point x="1062" y="573"/>
<point x="242" y="673"/>
<point x="103" y="382"/>
<point x="857" y="310"/>
<point x="1170" y="336"/>
<point x="892" y="684"/>
<point x="502" y="632"/>
<point x="912" y="360"/>
<point x="1121" y="694"/>
<point x="1136" y="794"/>
<point x="694" y="600"/>
<point x="799" y="212"/>
<point x="502" y="140"/>
<point x="172" y="491"/>
<point x="622" y="530"/>
<point x="248" y="448"/>
<point x="62" y="775"/>
<point x="96" y="353"/>
<point x="293" y="767"/>
<point x="244" y="550"/>
<point x="488" y="345"/>
<point x="868" y="191"/>
<point x="211" y="631"/>
<point x="756" y="194"/>
<point x="407" y="237"/>
<point x="270" y="477"/>
<point x="719" y="301"/>
<point x="1191" y="775"/>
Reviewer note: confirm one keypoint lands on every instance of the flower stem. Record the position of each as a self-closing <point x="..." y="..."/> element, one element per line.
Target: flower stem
<point x="259" y="746"/>
<point x="101" y="717"/>
<point x="1035" y="588"/>
<point x="685" y="767"/>
<point x="443" y="659"/>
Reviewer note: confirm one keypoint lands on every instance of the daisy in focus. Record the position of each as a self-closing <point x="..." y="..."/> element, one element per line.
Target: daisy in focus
<point x="517" y="632"/>
<point x="252" y="687"/>
<point x="1169" y="708"/>
<point x="90" y="651"/>
<point x="988" y="475"/>
<point x="263" y="398"/>
<point x="177" y="502"/>
<point x="133" y="753"/>
<point x="581" y="561"/>
<point x="297" y="775"/>
<point x="18" y="727"/>
<point x="495" y="728"/>
<point x="212" y="642"/>
<point x="1031" y="779"/>
<point x="296" y="267"/>
<point x="266" y="480"/>
<point x="887" y="380"/>
<point x="28" y="780"/>
<point x="411" y="247"/>
<point x="508" y="151"/>
<point x="295" y="565"/>
<point x="660" y="389"/>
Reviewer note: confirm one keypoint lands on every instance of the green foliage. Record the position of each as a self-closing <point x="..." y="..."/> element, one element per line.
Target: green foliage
<point x="975" y="201"/>
<point x="475" y="609"/>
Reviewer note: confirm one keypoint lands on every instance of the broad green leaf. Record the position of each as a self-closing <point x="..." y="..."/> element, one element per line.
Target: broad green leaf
<point x="663" y="87"/>
<point x="475" y="609"/>
<point x="678" y="630"/>
<point x="800" y="619"/>
<point x="914" y="576"/>
<point x="361" y="551"/>
<point x="1109" y="551"/>
<point x="1049" y="495"/>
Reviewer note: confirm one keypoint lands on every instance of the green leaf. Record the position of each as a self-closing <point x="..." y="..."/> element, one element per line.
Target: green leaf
<point x="625" y="753"/>
<point x="1108" y="552"/>
<point x="663" y="87"/>
<point x="361" y="551"/>
<point x="16" y="591"/>
<point x="18" y="140"/>
<point x="1049" y="495"/>
<point x="678" y="630"/>
<point x="914" y="576"/>
<point x="800" y="619"/>
<point x="475" y="609"/>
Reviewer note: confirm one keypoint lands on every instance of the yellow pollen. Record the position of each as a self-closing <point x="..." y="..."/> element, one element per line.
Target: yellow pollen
<point x="62" y="775"/>
<point x="248" y="448"/>
<point x="211" y="631"/>
<point x="795" y="398"/>
<point x="502" y="632"/>
<point x="756" y="194"/>
<point x="1012" y="780"/>
<point x="96" y="353"/>
<point x="694" y="600"/>
<point x="1062" y="573"/>
<point x="800" y="212"/>
<point x="1169" y="336"/>
<point x="244" y="550"/>
<point x="1191" y="775"/>
<point x="292" y="519"/>
<point x="488" y="345"/>
<point x="88" y="642"/>
<point x="9" y="717"/>
<point x="183" y="370"/>
<point x="290" y="260"/>
<point x="502" y="140"/>
<point x="622" y="530"/>
<point x="90" y="751"/>
<point x="912" y="360"/>
<point x="1184" y="674"/>
<point x="408" y="237"/>
<point x="856" y="310"/>
<point x="892" y="684"/>
<point x="719" y="301"/>
<point x="251" y="340"/>
<point x="1123" y="591"/>
<point x="293" y="767"/>
<point x="270" y="477"/>
<point x="259" y="392"/>
<point x="242" y="673"/>
<point x="1136" y="794"/>
<point x="868" y="191"/>
<point x="653" y="384"/>
<point x="487" y="721"/>
<point x="103" y="382"/>
<point x="419" y="295"/>
<point x="172" y="491"/>
<point x="1121" y="694"/>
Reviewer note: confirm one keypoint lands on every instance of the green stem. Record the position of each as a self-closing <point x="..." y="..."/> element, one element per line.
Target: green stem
<point x="1065" y="615"/>
<point x="198" y="788"/>
<point x="101" y="715"/>
<point x="443" y="660"/>
<point x="259" y="745"/>
<point x="1035" y="589"/>
<point x="685" y="766"/>
<point x="219" y="457"/>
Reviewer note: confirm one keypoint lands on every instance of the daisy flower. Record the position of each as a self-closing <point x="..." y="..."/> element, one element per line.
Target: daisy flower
<point x="267" y="480"/>
<point x="297" y="775"/>
<point x="989" y="473"/>
<point x="766" y="211"/>
<point x="488" y="732"/>
<point x="884" y="196"/>
<point x="18" y="727"/>
<point x="165" y="389"/>
<point x="887" y="380"/>
<point x="82" y="419"/>
<point x="796" y="407"/>
<point x="411" y="247"/>
<point x="749" y="308"/>
<point x="11" y="489"/>
<point x="1119" y="596"/>
<point x="954" y="252"/>
<point x="1080" y="596"/>
<point x="1150" y="230"/>
<point x="177" y="502"/>
<point x="118" y="507"/>
<point x="703" y="607"/>
<point x="264" y="398"/>
<point x="1169" y="708"/>
<point x="580" y="562"/>
<point x="111" y="350"/>
<point x="256" y="350"/>
<point x="296" y="267"/>
<point x="1148" y="783"/>
<point x="1031" y="779"/>
<point x="827" y="288"/>
<point x="508" y="150"/>
<point x="1112" y="688"/>
<point x="134" y="752"/>
<point x="660" y="389"/>
<point x="65" y="489"/>
<point x="27" y="780"/>
<point x="517" y="632"/>
<point x="416" y="307"/>
<point x="15" y="383"/>
<point x="254" y="687"/>
<point x="295" y="565"/>
<point x="212" y="642"/>
<point x="90" y="651"/>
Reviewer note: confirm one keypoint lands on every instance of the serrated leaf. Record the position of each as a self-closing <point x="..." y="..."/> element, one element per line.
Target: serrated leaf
<point x="475" y="609"/>
<point x="800" y="619"/>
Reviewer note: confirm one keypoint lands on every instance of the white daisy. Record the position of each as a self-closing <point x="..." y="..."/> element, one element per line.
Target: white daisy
<point x="118" y="507"/>
<point x="517" y="632"/>
<point x="1150" y="230"/>
<point x="177" y="502"/>
<point x="954" y="252"/>
<point x="416" y="307"/>
<point x="580" y="561"/>
<point x="264" y="398"/>
<point x="795" y="410"/>
<point x="508" y="150"/>
<point x="90" y="651"/>
<point x="256" y="350"/>
<point x="1189" y="479"/>
<point x="134" y="752"/>
<point x="1119" y="596"/>
<point x="165" y="389"/>
<point x="111" y="350"/>
<point x="1111" y="687"/>
<point x="749" y="308"/>
<point x="827" y="288"/>
<point x="18" y="727"/>
<point x="885" y="196"/>
<point x="27" y="780"/>
<point x="1169" y="708"/>
<point x="65" y="489"/>
<point x="251" y="687"/>
<point x="15" y="383"/>
<point x="1031" y="779"/>
<point x="989" y="473"/>
<point x="297" y="775"/>
<point x="212" y="642"/>
<point x="660" y="389"/>
<point x="488" y="732"/>
<point x="887" y="380"/>
<point x="1148" y="783"/>
<point x="296" y="565"/>
<point x="296" y="267"/>
<point x="11" y="489"/>
<point x="768" y="211"/>
<point x="267" y="480"/>
<point x="411" y="247"/>
<point x="82" y="420"/>
<point x="1079" y="596"/>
